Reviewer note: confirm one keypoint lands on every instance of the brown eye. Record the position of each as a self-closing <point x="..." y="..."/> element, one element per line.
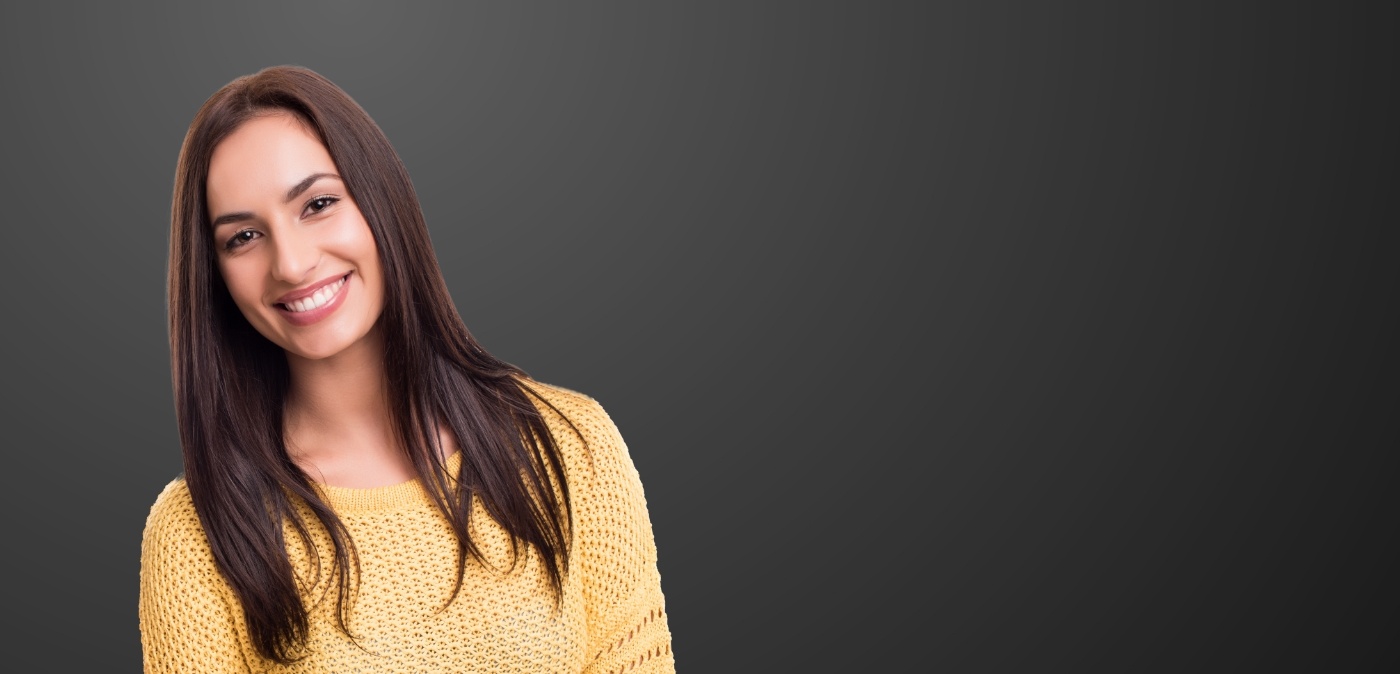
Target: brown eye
<point x="320" y="204"/>
<point x="240" y="238"/>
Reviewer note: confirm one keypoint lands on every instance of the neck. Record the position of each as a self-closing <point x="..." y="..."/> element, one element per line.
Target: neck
<point x="338" y="424"/>
<point x="347" y="388"/>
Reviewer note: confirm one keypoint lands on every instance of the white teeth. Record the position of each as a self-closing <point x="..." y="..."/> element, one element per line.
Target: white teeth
<point x="317" y="300"/>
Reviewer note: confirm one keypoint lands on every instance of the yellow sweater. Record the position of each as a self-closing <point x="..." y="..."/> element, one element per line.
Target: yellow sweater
<point x="612" y="618"/>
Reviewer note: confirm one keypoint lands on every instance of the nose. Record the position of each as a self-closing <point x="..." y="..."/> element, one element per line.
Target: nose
<point x="296" y="255"/>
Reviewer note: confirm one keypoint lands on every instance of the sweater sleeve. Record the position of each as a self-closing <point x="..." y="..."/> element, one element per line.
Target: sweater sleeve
<point x="628" y="629"/>
<point x="188" y="618"/>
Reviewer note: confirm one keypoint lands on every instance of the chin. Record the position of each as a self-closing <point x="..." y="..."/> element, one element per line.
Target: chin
<point x="314" y="353"/>
<point x="309" y="349"/>
<point x="326" y="342"/>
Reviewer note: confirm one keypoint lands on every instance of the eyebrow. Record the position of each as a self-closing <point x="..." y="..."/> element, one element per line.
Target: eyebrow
<point x="293" y="193"/>
<point x="306" y="184"/>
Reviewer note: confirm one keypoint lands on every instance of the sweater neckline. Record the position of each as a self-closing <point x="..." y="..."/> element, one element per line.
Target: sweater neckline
<point x="391" y="497"/>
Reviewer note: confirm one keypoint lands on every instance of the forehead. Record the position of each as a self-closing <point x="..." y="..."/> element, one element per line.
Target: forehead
<point x="261" y="158"/>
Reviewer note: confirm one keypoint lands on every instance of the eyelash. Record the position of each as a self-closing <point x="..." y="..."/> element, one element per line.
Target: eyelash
<point x="330" y="201"/>
<point x="234" y="242"/>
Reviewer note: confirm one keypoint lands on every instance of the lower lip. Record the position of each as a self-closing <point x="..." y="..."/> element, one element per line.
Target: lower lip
<point x="301" y="318"/>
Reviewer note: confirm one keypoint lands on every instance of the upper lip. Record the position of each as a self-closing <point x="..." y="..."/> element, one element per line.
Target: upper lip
<point x="308" y="291"/>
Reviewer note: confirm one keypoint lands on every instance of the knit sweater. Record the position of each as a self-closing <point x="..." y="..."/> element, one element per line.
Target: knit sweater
<point x="611" y="619"/>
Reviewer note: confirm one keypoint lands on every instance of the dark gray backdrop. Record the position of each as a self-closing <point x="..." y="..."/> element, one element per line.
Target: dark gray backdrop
<point x="985" y="337"/>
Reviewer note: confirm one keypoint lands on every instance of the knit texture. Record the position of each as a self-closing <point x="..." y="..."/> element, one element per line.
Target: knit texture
<point x="612" y="617"/>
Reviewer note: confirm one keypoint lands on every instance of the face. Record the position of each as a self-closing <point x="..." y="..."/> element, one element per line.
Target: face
<point x="294" y="250"/>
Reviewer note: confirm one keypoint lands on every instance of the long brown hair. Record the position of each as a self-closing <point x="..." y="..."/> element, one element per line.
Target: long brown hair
<point x="230" y="382"/>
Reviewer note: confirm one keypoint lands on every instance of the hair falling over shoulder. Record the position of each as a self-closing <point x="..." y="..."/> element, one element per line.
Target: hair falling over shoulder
<point x="230" y="383"/>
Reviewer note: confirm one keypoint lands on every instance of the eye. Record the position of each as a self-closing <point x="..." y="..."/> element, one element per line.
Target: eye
<point x="241" y="238"/>
<point x="320" y="204"/>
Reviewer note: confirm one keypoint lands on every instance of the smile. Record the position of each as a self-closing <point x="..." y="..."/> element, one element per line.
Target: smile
<point x="312" y="305"/>
<point x="316" y="301"/>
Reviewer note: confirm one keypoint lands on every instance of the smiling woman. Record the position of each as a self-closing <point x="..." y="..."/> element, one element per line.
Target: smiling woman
<point x="365" y="487"/>
<point x="291" y="258"/>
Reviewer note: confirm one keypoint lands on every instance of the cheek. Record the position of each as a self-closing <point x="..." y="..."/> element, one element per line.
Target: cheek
<point x="351" y="242"/>
<point x="357" y="243"/>
<point x="361" y="239"/>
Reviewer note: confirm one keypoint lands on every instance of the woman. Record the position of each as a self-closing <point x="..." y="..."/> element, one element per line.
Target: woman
<point x="365" y="487"/>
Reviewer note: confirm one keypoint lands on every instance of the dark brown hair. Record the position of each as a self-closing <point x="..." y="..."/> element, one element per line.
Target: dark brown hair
<point x="230" y="382"/>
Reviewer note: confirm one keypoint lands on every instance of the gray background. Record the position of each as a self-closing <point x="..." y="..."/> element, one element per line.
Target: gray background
<point x="984" y="337"/>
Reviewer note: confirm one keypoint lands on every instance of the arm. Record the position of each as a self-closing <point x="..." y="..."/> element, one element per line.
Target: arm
<point x="628" y="629"/>
<point x="189" y="619"/>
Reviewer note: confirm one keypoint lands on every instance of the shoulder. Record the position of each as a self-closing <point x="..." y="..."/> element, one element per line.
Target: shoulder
<point x="593" y="448"/>
<point x="190" y="620"/>
<point x="172" y="526"/>
<point x="563" y="399"/>
<point x="177" y="563"/>
<point x="172" y="505"/>
<point x="569" y="412"/>
<point x="582" y="429"/>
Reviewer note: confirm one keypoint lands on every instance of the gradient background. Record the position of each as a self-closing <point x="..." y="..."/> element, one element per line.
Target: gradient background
<point x="981" y="338"/>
